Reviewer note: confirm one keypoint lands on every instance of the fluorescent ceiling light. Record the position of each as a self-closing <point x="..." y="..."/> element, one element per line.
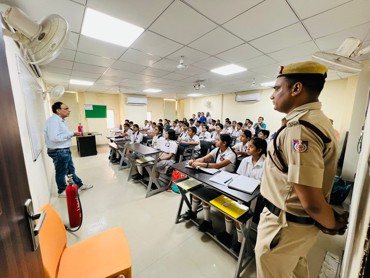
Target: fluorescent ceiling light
<point x="268" y="84"/>
<point x="80" y="82"/>
<point x="229" y="69"/>
<point x="194" y="95"/>
<point x="169" y="99"/>
<point x="152" y="90"/>
<point x="109" y="29"/>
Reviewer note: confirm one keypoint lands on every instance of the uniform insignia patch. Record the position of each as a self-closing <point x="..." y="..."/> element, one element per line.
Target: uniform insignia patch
<point x="300" y="146"/>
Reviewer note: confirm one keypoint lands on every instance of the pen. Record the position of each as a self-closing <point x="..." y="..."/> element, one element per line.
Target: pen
<point x="229" y="180"/>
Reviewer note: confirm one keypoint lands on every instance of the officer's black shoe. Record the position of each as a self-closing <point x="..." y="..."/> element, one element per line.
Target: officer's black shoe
<point x="236" y="247"/>
<point x="189" y="215"/>
<point x="225" y="238"/>
<point x="205" y="226"/>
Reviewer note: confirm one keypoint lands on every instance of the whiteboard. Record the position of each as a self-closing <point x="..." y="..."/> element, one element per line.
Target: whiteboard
<point x="34" y="108"/>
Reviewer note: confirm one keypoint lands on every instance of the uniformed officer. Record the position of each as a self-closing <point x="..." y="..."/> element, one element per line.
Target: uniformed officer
<point x="298" y="176"/>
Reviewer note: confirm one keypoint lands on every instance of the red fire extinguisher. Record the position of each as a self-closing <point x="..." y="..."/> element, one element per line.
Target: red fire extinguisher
<point x="73" y="205"/>
<point x="80" y="129"/>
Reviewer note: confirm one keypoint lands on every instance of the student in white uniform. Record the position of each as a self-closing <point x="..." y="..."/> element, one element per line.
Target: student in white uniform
<point x="167" y="154"/>
<point x="237" y="131"/>
<point x="205" y="135"/>
<point x="192" y="138"/>
<point x="184" y="132"/>
<point x="242" y="147"/>
<point x="264" y="134"/>
<point x="250" y="128"/>
<point x="225" y="159"/>
<point x="251" y="167"/>
<point x="219" y="130"/>
<point x="212" y="126"/>
<point x="158" y="137"/>
<point x="136" y="136"/>
<point x="228" y="128"/>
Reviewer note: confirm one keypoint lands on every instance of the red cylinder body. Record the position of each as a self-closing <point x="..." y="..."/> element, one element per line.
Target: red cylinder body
<point x="74" y="210"/>
<point x="80" y="129"/>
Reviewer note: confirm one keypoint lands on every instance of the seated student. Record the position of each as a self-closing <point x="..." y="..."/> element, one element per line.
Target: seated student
<point x="246" y="123"/>
<point x="205" y="135"/>
<point x="242" y="147"/>
<point x="191" y="122"/>
<point x="219" y="130"/>
<point x="250" y="127"/>
<point x="126" y="134"/>
<point x="260" y="125"/>
<point x="228" y="128"/>
<point x="184" y="132"/>
<point x="237" y="131"/>
<point x="175" y="127"/>
<point x="191" y="140"/>
<point x="136" y="136"/>
<point x="251" y="167"/>
<point x="158" y="138"/>
<point x="264" y="134"/>
<point x="167" y="154"/>
<point x="224" y="158"/>
<point x="233" y="125"/>
<point x="212" y="126"/>
<point x="146" y="125"/>
<point x="199" y="127"/>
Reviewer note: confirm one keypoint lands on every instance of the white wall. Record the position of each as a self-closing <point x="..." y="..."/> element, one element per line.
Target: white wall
<point x="156" y="108"/>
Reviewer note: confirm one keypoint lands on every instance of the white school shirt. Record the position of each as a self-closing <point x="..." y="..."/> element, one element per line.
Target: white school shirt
<point x="227" y="154"/>
<point x="157" y="142"/>
<point x="214" y="135"/>
<point x="211" y="127"/>
<point x="183" y="135"/>
<point x="246" y="167"/>
<point x="236" y="133"/>
<point x="251" y="130"/>
<point x="151" y="129"/>
<point x="199" y="130"/>
<point x="167" y="147"/>
<point x="136" y="137"/>
<point x="205" y="135"/>
<point x="129" y="133"/>
<point x="228" y="130"/>
<point x="194" y="139"/>
<point x="240" y="147"/>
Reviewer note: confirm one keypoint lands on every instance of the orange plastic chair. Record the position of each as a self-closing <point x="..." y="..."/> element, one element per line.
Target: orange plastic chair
<point x="104" y="255"/>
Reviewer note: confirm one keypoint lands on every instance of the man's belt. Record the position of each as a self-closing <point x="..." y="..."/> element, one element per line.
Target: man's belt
<point x="290" y="217"/>
<point x="58" y="149"/>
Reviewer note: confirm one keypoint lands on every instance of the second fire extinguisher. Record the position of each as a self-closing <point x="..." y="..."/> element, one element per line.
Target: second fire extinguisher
<point x="73" y="205"/>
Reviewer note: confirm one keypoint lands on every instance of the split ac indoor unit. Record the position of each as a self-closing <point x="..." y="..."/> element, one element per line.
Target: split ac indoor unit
<point x="248" y="98"/>
<point x="137" y="100"/>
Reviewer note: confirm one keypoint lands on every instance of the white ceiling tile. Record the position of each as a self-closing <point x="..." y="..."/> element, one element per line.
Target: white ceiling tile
<point x="341" y="18"/>
<point x="72" y="41"/>
<point x="181" y="23"/>
<point x="240" y="53"/>
<point x="99" y="88"/>
<point x="265" y="18"/>
<point x="221" y="10"/>
<point x="91" y="75"/>
<point x="190" y="55"/>
<point x="210" y="63"/>
<point x="83" y="78"/>
<point x="154" y="72"/>
<point x="106" y="82"/>
<point x="287" y="37"/>
<point x="100" y="48"/>
<point x="67" y="54"/>
<point x="125" y="66"/>
<point x="333" y="41"/>
<point x="154" y="44"/>
<point x="257" y="62"/>
<point x="78" y="88"/>
<point x="190" y="70"/>
<point x="83" y="2"/>
<point x="49" y="68"/>
<point x="175" y="76"/>
<point x="140" y="58"/>
<point x="93" y="60"/>
<point x="216" y="41"/>
<point x="307" y="48"/>
<point x="38" y="9"/>
<point x="141" y="13"/>
<point x="89" y="68"/>
<point x="166" y="64"/>
<point x="315" y="7"/>
<point x="61" y="64"/>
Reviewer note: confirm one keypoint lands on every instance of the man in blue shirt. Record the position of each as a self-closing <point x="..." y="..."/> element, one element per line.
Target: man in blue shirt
<point x="58" y="141"/>
<point x="259" y="125"/>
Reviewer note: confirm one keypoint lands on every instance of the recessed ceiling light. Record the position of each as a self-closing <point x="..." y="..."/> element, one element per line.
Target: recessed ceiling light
<point x="109" y="29"/>
<point x="229" y="69"/>
<point x="268" y="84"/>
<point x="80" y="82"/>
<point x="152" y="90"/>
<point x="194" y="95"/>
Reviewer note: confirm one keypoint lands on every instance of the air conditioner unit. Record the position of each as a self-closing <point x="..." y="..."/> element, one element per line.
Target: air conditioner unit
<point x="137" y="100"/>
<point x="248" y="98"/>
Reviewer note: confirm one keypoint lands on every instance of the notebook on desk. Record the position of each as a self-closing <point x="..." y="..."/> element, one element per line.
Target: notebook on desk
<point x="244" y="184"/>
<point x="145" y="159"/>
<point x="206" y="170"/>
<point x="188" y="183"/>
<point x="229" y="206"/>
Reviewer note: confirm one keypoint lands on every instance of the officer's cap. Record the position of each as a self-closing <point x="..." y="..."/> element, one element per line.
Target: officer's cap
<point x="303" y="68"/>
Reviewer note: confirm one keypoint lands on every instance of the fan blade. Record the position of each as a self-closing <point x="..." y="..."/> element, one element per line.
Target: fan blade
<point x="364" y="51"/>
<point x="348" y="47"/>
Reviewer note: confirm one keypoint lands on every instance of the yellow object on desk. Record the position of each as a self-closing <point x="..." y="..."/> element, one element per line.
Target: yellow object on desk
<point x="229" y="206"/>
<point x="188" y="183"/>
<point x="145" y="159"/>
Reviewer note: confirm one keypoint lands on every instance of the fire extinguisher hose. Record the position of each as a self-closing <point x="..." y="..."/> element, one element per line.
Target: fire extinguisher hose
<point x="82" y="217"/>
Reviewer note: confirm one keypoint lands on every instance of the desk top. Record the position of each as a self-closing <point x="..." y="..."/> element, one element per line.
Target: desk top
<point x="140" y="148"/>
<point x="204" y="178"/>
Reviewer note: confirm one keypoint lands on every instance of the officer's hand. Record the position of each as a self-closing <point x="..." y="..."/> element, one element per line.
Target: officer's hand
<point x="341" y="221"/>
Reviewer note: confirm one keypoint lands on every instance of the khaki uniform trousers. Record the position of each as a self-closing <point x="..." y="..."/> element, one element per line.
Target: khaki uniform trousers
<point x="281" y="250"/>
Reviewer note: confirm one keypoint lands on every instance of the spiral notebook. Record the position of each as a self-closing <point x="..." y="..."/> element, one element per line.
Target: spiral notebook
<point x="244" y="184"/>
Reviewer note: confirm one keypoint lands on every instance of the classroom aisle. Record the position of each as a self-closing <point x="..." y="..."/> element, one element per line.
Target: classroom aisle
<point x="159" y="247"/>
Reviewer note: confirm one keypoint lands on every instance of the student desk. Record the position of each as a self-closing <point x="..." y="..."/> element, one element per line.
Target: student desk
<point x="86" y="145"/>
<point x="201" y="192"/>
<point x="143" y="150"/>
<point x="120" y="144"/>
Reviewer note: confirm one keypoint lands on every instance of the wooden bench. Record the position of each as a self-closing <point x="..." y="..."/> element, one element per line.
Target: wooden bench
<point x="104" y="255"/>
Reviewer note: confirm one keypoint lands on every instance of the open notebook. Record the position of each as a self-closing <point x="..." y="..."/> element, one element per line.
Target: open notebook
<point x="229" y="206"/>
<point x="188" y="183"/>
<point x="244" y="184"/>
<point x="206" y="170"/>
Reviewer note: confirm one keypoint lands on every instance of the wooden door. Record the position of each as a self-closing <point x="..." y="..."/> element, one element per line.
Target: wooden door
<point x="17" y="258"/>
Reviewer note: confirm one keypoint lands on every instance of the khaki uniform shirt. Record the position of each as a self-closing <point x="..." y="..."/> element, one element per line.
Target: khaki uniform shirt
<point x="310" y="161"/>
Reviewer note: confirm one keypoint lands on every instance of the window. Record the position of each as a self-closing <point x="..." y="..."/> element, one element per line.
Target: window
<point x="149" y="116"/>
<point x="110" y="118"/>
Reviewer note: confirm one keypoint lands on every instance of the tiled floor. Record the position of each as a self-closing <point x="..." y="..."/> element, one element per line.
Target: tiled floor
<point x="159" y="247"/>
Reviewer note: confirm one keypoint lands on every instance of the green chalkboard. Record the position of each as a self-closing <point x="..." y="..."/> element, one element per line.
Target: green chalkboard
<point x="97" y="111"/>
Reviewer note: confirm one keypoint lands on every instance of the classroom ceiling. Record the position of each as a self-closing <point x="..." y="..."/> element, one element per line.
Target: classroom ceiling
<point x="259" y="35"/>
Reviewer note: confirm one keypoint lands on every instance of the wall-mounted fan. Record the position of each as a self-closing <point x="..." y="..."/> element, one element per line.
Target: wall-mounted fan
<point x="56" y="92"/>
<point x="344" y="59"/>
<point x="41" y="42"/>
<point x="198" y="85"/>
<point x="181" y="64"/>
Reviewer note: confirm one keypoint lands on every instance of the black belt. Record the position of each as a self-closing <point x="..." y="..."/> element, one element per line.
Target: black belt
<point x="290" y="217"/>
<point x="58" y="149"/>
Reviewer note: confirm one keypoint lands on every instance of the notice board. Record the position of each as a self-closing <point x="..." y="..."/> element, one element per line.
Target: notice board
<point x="95" y="111"/>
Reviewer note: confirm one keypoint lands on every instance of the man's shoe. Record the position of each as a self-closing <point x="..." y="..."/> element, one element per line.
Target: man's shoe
<point x="85" y="187"/>
<point x="189" y="215"/>
<point x="225" y="238"/>
<point x="205" y="226"/>
<point x="115" y="161"/>
<point x="137" y="177"/>
<point x="62" y="195"/>
<point x="236" y="247"/>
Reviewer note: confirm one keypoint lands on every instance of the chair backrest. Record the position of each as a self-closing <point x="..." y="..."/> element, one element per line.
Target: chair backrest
<point x="53" y="241"/>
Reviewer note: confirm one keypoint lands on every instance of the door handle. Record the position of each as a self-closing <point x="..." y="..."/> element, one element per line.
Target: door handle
<point x="34" y="228"/>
